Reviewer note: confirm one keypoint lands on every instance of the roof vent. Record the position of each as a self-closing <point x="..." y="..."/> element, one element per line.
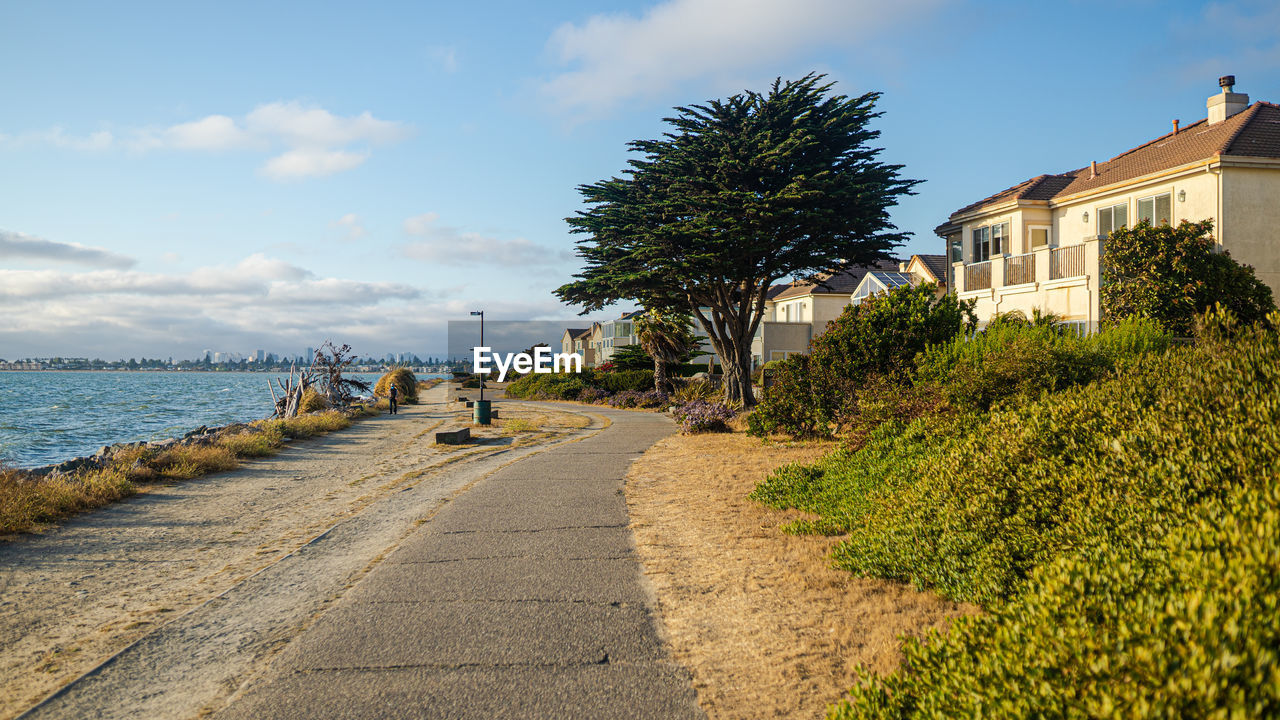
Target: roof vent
<point x="1226" y="103"/>
<point x="1175" y="126"/>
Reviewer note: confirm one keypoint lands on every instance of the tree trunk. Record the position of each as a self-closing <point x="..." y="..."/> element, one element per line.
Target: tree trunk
<point x="661" y="379"/>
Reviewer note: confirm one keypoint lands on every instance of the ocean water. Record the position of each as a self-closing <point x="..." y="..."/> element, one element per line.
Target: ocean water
<point x="48" y="417"/>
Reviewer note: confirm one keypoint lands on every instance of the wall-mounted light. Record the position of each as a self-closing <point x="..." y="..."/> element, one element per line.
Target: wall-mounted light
<point x="1182" y="196"/>
<point x="1085" y="217"/>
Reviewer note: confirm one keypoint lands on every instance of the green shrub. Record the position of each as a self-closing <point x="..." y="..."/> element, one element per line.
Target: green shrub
<point x="800" y="402"/>
<point x="1183" y="625"/>
<point x="549" y="386"/>
<point x="1124" y="535"/>
<point x="619" y="380"/>
<point x="882" y="335"/>
<point x="1172" y="273"/>
<point x="1009" y="491"/>
<point x="1012" y="362"/>
<point x="689" y="390"/>
<point x="404" y="380"/>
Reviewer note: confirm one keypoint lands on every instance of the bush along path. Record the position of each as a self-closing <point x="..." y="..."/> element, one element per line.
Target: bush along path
<point x="1112" y="501"/>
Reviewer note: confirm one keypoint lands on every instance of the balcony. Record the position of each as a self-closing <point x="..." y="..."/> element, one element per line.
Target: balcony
<point x="1066" y="262"/>
<point x="1041" y="268"/>
<point x="1020" y="269"/>
<point x="977" y="276"/>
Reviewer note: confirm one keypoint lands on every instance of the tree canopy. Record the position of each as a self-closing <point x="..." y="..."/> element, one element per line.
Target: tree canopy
<point x="1171" y="273"/>
<point x="740" y="193"/>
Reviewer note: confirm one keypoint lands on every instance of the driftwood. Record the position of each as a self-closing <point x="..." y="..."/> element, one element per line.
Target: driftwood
<point x="290" y="400"/>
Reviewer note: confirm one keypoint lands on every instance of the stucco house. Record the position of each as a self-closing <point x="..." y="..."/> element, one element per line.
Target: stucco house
<point x="796" y="312"/>
<point x="615" y="333"/>
<point x="579" y="340"/>
<point x="1039" y="243"/>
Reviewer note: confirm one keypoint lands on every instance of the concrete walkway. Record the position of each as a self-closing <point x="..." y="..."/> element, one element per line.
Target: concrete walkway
<point x="520" y="598"/>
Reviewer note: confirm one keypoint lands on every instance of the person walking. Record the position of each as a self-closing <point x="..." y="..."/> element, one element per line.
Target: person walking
<point x="395" y="395"/>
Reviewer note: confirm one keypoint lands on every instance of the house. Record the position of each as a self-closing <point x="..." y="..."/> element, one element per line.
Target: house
<point x="878" y="281"/>
<point x="616" y="333"/>
<point x="796" y="312"/>
<point x="1039" y="244"/>
<point x="579" y="340"/>
<point x="929" y="268"/>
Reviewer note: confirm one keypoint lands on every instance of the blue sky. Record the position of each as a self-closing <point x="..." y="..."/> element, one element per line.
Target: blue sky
<point x="235" y="176"/>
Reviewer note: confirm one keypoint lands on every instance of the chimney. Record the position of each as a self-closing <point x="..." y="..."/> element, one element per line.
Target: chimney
<point x="1093" y="169"/>
<point x="1175" y="126"/>
<point x="1226" y="103"/>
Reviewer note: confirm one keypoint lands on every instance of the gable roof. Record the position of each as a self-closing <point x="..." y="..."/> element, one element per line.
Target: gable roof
<point x="842" y="282"/>
<point x="1253" y="132"/>
<point x="935" y="264"/>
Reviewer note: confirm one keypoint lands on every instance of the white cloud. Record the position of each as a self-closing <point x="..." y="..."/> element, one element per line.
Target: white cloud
<point x="301" y="126"/>
<point x="308" y="141"/>
<point x="260" y="301"/>
<point x="215" y="132"/>
<point x="58" y="137"/>
<point x="29" y="247"/>
<point x="311" y="162"/>
<point x="446" y="58"/>
<point x="350" y="225"/>
<point x="616" y="57"/>
<point x="445" y="245"/>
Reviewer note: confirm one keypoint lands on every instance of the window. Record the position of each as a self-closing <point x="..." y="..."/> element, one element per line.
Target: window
<point x="989" y="240"/>
<point x="981" y="244"/>
<point x="1156" y="210"/>
<point x="999" y="233"/>
<point x="1112" y="218"/>
<point x="1039" y="237"/>
<point x="955" y="250"/>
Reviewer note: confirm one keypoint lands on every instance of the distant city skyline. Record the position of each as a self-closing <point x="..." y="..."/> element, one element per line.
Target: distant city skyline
<point x="241" y="175"/>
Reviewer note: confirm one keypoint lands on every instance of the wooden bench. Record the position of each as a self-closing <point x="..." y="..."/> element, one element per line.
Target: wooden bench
<point x="453" y="437"/>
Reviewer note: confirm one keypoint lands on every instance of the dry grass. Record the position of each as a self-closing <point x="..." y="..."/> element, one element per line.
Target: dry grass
<point x="766" y="626"/>
<point x="28" y="503"/>
<point x="518" y="425"/>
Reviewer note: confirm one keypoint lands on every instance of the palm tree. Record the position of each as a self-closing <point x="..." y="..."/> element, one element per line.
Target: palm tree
<point x="668" y="339"/>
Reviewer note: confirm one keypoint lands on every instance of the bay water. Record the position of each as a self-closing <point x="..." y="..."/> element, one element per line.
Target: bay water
<point x="47" y="417"/>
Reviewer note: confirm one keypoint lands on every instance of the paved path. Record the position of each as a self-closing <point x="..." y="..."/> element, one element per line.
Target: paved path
<point x="521" y="598"/>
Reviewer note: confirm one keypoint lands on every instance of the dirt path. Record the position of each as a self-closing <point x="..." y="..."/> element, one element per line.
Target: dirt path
<point x="120" y="577"/>
<point x="766" y="626"/>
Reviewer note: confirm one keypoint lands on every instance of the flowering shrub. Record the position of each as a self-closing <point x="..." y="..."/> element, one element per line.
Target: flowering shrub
<point x="702" y="416"/>
<point x="637" y="399"/>
<point x="593" y="395"/>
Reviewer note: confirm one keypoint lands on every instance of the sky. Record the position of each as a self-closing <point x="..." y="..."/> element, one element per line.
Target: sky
<point x="233" y="176"/>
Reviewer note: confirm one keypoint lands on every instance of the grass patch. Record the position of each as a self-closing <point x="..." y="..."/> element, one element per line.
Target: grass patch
<point x="29" y="502"/>
<point x="519" y="425"/>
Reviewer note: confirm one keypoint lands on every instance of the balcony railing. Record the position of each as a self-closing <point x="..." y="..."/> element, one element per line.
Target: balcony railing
<point x="1066" y="262"/>
<point x="1019" y="269"/>
<point x="977" y="276"/>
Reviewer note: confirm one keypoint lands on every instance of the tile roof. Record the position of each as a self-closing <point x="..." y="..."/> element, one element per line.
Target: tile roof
<point x="1253" y="132"/>
<point x="842" y="282"/>
<point x="578" y="332"/>
<point x="936" y="264"/>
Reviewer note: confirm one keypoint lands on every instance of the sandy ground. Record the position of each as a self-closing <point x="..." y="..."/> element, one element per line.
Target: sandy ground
<point x="77" y="594"/>
<point x="766" y="626"/>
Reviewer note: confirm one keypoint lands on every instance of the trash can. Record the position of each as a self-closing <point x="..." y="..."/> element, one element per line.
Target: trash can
<point x="481" y="412"/>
